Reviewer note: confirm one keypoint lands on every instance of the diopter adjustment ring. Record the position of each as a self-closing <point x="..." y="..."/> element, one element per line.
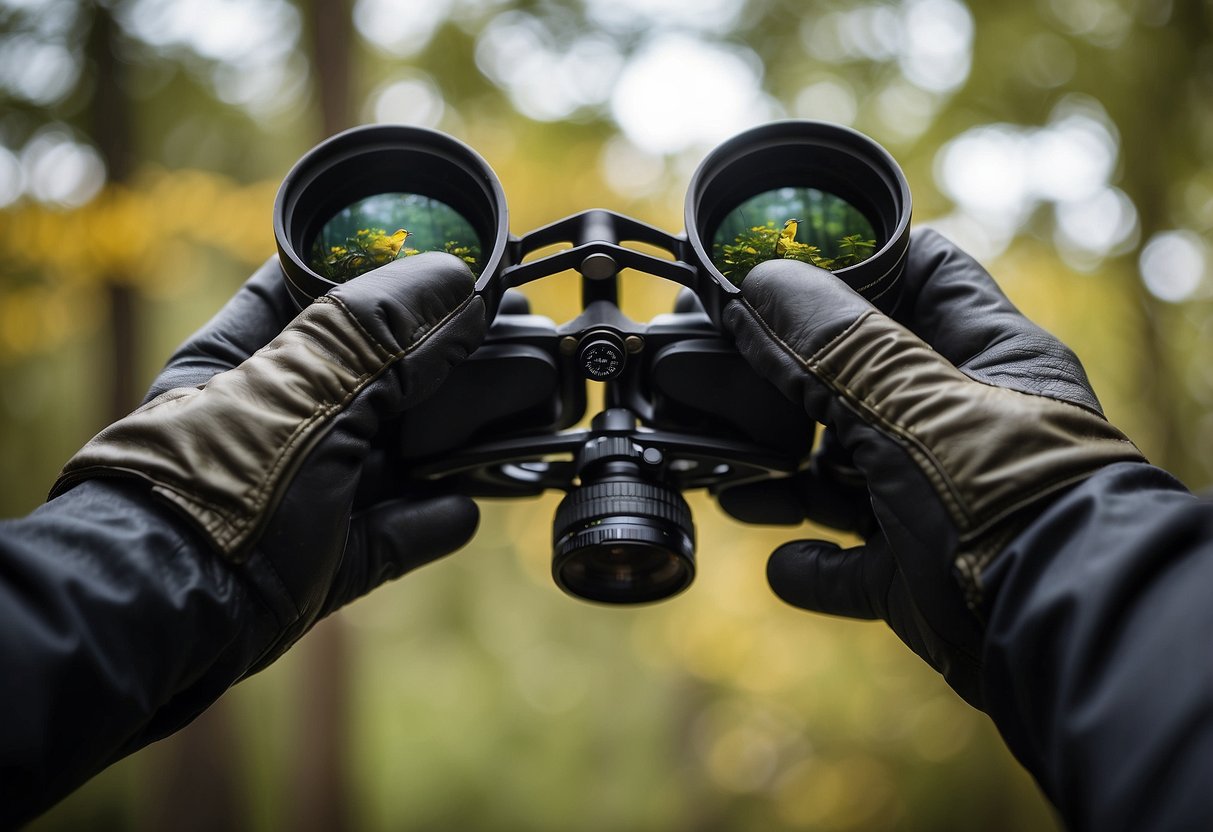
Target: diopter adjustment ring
<point x="627" y="498"/>
<point x="607" y="449"/>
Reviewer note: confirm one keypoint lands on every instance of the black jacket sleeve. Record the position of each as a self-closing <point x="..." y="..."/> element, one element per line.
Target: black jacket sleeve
<point x="1099" y="652"/>
<point x="117" y="627"/>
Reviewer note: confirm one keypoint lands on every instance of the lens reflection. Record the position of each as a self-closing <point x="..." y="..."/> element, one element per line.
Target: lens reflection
<point x="386" y="227"/>
<point x="803" y="224"/>
<point x="627" y="572"/>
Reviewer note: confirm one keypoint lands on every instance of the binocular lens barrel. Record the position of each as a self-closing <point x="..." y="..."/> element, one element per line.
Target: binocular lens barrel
<point x="623" y="541"/>
<point x="374" y="194"/>
<point x="810" y="191"/>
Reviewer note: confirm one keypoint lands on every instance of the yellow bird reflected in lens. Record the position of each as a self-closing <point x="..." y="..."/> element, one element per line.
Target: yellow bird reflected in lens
<point x="786" y="237"/>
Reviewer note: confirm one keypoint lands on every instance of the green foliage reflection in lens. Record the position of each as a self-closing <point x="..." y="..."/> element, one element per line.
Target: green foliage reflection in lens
<point x="386" y="227"/>
<point x="802" y="224"/>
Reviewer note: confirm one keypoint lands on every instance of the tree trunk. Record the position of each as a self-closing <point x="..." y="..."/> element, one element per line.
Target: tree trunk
<point x="110" y="118"/>
<point x="319" y="785"/>
<point x="196" y="786"/>
<point x="1157" y="140"/>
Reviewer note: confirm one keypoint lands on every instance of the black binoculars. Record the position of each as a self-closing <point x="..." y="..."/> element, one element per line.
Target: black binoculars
<point x="683" y="409"/>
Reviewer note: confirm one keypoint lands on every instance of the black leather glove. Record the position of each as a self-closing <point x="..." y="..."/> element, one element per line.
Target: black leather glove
<point x="263" y="438"/>
<point x="963" y="418"/>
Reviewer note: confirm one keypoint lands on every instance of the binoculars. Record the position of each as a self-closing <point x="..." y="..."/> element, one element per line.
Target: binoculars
<point x="683" y="409"/>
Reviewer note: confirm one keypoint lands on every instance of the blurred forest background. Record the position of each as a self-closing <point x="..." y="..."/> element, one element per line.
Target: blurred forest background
<point x="1066" y="143"/>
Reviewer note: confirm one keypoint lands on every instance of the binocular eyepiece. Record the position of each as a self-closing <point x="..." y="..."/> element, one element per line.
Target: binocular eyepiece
<point x="341" y="209"/>
<point x="683" y="409"/>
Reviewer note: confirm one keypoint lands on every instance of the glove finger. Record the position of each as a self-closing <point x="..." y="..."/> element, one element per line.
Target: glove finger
<point x="831" y="492"/>
<point x="399" y="305"/>
<point x="937" y="449"/>
<point x="382" y="477"/>
<point x="789" y="312"/>
<point x="246" y="323"/>
<point x="779" y="502"/>
<point x="322" y="390"/>
<point x="823" y="577"/>
<point x="396" y="537"/>
<point x="952" y="303"/>
<point x="836" y="492"/>
<point x="820" y="494"/>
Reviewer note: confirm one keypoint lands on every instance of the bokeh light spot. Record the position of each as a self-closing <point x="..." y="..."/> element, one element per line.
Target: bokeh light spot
<point x="645" y="15"/>
<point x="985" y="170"/>
<point x="937" y="44"/>
<point x="248" y="48"/>
<point x="545" y="79"/>
<point x="400" y="28"/>
<point x="1071" y="158"/>
<point x="12" y="180"/>
<point x="829" y="99"/>
<point x="411" y="100"/>
<point x="629" y="170"/>
<point x="998" y="174"/>
<point x="905" y="110"/>
<point x="1089" y="229"/>
<point x="679" y="92"/>
<point x="39" y="71"/>
<point x="1173" y="265"/>
<point x="61" y="170"/>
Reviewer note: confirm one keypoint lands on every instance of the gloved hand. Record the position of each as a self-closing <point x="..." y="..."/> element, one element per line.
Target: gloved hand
<point x="963" y="418"/>
<point x="262" y="437"/>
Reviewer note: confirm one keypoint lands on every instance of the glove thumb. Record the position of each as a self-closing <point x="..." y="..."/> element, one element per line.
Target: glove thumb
<point x="397" y="536"/>
<point x="823" y="577"/>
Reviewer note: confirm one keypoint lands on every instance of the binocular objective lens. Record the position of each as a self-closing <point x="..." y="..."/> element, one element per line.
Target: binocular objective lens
<point x="623" y="541"/>
<point x="624" y="571"/>
<point x="385" y="227"/>
<point x="805" y="224"/>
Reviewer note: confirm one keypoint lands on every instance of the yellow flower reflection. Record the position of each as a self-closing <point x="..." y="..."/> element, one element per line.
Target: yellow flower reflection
<point x="368" y="249"/>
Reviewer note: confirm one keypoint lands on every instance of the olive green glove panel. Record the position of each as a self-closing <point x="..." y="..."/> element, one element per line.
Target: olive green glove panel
<point x="954" y="420"/>
<point x="987" y="451"/>
<point x="223" y="453"/>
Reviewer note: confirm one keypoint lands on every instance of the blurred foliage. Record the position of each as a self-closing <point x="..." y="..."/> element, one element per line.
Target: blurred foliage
<point x="55" y="258"/>
<point x="480" y="697"/>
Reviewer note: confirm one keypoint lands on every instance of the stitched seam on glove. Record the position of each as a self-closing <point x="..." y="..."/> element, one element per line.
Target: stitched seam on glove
<point x="1064" y="443"/>
<point x="921" y="457"/>
<point x="1009" y="448"/>
<point x="240" y="529"/>
<point x="227" y="528"/>
<point x="972" y="560"/>
<point x="971" y="521"/>
<point x="924" y="460"/>
<point x="384" y="352"/>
